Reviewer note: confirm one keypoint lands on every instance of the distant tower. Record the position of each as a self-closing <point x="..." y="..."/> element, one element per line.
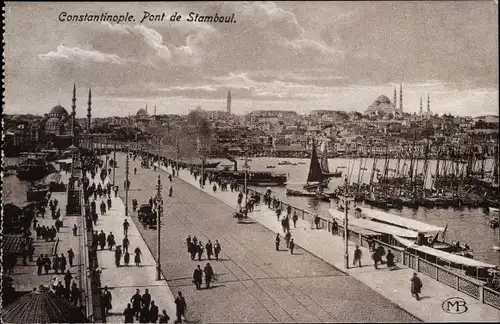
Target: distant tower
<point x="155" y="111"/>
<point x="395" y="98"/>
<point x="146" y="109"/>
<point x="73" y="111"/>
<point x="89" y="110"/>
<point x="401" y="98"/>
<point x="228" y="107"/>
<point x="421" y="112"/>
<point x="428" y="104"/>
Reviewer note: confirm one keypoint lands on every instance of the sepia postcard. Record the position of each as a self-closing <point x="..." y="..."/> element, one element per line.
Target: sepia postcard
<point x="253" y="162"/>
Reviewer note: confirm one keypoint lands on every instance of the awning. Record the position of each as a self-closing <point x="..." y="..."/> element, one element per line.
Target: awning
<point x="64" y="161"/>
<point x="450" y="257"/>
<point x="12" y="244"/>
<point x="42" y="307"/>
<point x="373" y="226"/>
<point x="396" y="220"/>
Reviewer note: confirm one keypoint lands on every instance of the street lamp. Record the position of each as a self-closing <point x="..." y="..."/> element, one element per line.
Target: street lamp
<point x="126" y="182"/>
<point x="245" y="166"/>
<point x="114" y="163"/>
<point x="346" y="226"/>
<point x="159" y="207"/>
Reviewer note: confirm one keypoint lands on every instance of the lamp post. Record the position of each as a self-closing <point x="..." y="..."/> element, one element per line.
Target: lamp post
<point x="245" y="166"/>
<point x="114" y="163"/>
<point x="158" y="155"/>
<point x="346" y="226"/>
<point x="159" y="207"/>
<point x="126" y="183"/>
<point x="107" y="155"/>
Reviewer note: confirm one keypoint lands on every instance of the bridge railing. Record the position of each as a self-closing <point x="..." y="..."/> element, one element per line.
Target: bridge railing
<point x="470" y="286"/>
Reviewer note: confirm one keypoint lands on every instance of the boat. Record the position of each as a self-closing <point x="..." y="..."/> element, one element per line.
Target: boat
<point x="254" y="178"/>
<point x="32" y="166"/>
<point x="300" y="193"/>
<point x="302" y="163"/>
<point x="37" y="192"/>
<point x="284" y="163"/>
<point x="315" y="177"/>
<point x="324" y="165"/>
<point x="342" y="167"/>
<point x="472" y="267"/>
<point x="270" y="167"/>
<point x="398" y="226"/>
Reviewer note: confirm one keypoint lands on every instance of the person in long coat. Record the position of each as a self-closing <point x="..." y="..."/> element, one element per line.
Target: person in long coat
<point x="197" y="277"/>
<point x="118" y="256"/>
<point x="106" y="300"/>
<point x="209" y="273"/>
<point x="153" y="312"/>
<point x="277" y="242"/>
<point x="217" y="249"/>
<point x="292" y="246"/>
<point x="209" y="248"/>
<point x="180" y="307"/>
<point x="136" y="301"/>
<point x="199" y="250"/>
<point x="416" y="286"/>
<point x="137" y="258"/>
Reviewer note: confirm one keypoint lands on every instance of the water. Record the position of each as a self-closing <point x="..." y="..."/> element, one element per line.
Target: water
<point x="467" y="225"/>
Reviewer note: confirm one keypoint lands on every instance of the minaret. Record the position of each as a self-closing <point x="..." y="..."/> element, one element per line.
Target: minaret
<point x="73" y="111"/>
<point x="421" y="112"/>
<point x="155" y="111"/>
<point x="401" y="98"/>
<point x="395" y="98"/>
<point x="428" y="104"/>
<point x="228" y="107"/>
<point x="146" y="109"/>
<point x="89" y="110"/>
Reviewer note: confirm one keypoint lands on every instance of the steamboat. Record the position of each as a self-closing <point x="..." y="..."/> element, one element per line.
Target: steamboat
<point x="33" y="166"/>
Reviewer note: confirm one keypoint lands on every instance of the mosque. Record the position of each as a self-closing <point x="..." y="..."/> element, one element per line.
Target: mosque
<point x="382" y="106"/>
<point x="59" y="129"/>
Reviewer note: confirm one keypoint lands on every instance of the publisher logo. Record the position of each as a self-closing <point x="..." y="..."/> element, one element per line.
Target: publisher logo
<point x="455" y="305"/>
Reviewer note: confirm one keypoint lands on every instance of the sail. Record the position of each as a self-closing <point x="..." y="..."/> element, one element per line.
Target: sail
<point x="324" y="159"/>
<point x="315" y="173"/>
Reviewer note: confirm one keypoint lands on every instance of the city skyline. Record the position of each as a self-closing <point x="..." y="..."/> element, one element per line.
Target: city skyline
<point x="277" y="56"/>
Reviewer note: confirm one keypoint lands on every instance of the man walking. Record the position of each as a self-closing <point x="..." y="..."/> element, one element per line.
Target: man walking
<point x="180" y="307"/>
<point x="357" y="256"/>
<point x="209" y="273"/>
<point x="217" y="249"/>
<point x="126" y="225"/>
<point x="197" y="277"/>
<point x="416" y="286"/>
<point x="277" y="242"/>
<point x="209" y="248"/>
<point x="292" y="246"/>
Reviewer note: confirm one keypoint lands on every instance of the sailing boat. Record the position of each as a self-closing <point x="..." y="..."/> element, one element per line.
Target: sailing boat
<point x="315" y="177"/>
<point x="324" y="165"/>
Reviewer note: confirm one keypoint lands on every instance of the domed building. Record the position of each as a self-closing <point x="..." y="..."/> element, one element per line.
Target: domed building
<point x="58" y="127"/>
<point x="57" y="121"/>
<point x="383" y="106"/>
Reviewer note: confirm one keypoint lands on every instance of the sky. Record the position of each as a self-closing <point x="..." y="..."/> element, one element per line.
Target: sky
<point x="298" y="56"/>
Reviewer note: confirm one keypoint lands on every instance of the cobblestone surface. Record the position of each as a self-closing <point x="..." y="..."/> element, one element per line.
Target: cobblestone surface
<point x="256" y="283"/>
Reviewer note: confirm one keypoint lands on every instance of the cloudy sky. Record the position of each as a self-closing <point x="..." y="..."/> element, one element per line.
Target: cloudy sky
<point x="290" y="56"/>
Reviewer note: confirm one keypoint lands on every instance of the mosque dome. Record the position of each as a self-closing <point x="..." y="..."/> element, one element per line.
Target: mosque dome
<point x="142" y="113"/>
<point x="382" y="99"/>
<point x="58" y="111"/>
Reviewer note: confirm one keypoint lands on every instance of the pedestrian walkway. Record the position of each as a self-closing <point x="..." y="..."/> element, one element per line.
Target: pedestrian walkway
<point x="123" y="281"/>
<point x="394" y="285"/>
<point x="26" y="277"/>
